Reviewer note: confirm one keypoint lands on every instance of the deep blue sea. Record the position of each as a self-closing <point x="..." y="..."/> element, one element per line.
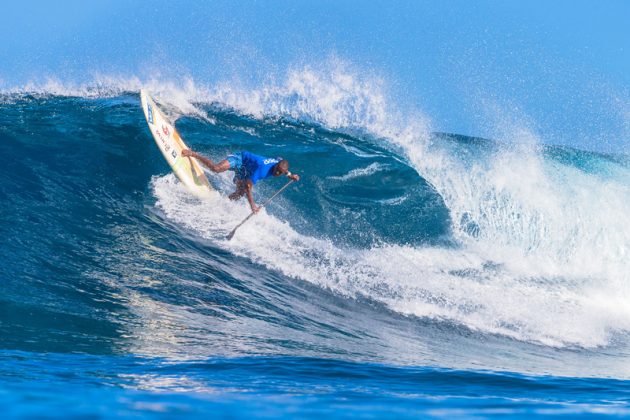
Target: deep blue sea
<point x="409" y="273"/>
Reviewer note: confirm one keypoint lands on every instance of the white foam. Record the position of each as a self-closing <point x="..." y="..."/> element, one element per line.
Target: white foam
<point x="99" y="87"/>
<point x="176" y="97"/>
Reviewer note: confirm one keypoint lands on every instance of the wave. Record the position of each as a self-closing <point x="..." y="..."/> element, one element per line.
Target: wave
<point x="537" y="238"/>
<point x="507" y="204"/>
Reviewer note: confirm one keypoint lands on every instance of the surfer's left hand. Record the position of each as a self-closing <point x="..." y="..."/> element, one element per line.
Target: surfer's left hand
<point x="294" y="177"/>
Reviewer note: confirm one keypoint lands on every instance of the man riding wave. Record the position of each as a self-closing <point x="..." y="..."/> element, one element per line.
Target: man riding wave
<point x="248" y="169"/>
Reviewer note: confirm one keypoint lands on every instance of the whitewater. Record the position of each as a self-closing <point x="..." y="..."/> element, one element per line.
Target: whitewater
<point x="403" y="254"/>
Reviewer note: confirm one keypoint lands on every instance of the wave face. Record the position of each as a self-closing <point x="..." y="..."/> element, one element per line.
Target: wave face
<point x="399" y="246"/>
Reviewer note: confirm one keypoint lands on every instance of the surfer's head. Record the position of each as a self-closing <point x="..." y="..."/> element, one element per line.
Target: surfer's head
<point x="280" y="168"/>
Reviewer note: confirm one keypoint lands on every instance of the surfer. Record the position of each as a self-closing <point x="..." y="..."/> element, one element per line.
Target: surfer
<point x="248" y="169"/>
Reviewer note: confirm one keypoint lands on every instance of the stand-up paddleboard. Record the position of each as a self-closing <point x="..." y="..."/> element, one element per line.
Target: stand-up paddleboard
<point x="171" y="145"/>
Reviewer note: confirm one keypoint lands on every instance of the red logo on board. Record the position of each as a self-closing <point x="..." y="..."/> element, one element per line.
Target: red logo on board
<point x="165" y="130"/>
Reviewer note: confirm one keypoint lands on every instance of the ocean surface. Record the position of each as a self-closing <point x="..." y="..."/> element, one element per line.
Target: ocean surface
<point x="410" y="273"/>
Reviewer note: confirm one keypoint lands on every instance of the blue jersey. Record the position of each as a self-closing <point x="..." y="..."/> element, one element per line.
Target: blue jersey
<point x="255" y="167"/>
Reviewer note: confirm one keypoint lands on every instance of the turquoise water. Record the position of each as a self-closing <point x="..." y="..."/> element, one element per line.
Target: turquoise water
<point x="408" y="273"/>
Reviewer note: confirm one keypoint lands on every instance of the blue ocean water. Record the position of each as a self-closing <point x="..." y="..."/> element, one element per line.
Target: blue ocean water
<point x="409" y="273"/>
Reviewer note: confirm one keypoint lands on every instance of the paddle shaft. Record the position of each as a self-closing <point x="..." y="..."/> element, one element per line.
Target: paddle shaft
<point x="231" y="235"/>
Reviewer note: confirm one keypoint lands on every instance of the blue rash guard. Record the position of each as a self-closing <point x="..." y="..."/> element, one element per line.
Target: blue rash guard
<point x="247" y="165"/>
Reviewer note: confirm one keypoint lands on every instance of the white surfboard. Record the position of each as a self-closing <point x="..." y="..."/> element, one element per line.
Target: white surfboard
<point x="170" y="143"/>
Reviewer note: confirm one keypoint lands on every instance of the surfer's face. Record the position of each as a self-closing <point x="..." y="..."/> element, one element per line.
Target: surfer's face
<point x="277" y="170"/>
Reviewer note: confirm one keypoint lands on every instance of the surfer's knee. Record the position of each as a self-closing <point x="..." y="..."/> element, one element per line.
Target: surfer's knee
<point x="222" y="166"/>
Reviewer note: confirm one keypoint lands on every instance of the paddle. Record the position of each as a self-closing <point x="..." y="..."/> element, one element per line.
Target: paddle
<point x="231" y="234"/>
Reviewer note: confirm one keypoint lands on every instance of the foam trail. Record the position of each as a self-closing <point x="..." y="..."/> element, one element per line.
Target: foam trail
<point x="361" y="172"/>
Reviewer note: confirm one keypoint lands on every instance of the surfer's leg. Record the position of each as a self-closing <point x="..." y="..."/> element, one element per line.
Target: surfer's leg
<point x="222" y="166"/>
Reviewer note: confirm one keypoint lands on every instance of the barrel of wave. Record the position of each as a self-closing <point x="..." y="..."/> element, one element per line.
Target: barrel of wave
<point x="170" y="143"/>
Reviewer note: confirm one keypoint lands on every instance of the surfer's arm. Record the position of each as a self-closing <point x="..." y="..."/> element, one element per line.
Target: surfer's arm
<point x="249" y="186"/>
<point x="294" y="177"/>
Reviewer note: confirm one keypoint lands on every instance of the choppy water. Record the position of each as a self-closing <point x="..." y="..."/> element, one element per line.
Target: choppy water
<point x="408" y="273"/>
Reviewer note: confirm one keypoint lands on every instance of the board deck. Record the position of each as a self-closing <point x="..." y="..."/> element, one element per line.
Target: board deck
<point x="170" y="143"/>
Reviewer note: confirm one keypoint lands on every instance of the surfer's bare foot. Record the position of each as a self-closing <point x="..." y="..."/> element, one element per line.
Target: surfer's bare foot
<point x="187" y="153"/>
